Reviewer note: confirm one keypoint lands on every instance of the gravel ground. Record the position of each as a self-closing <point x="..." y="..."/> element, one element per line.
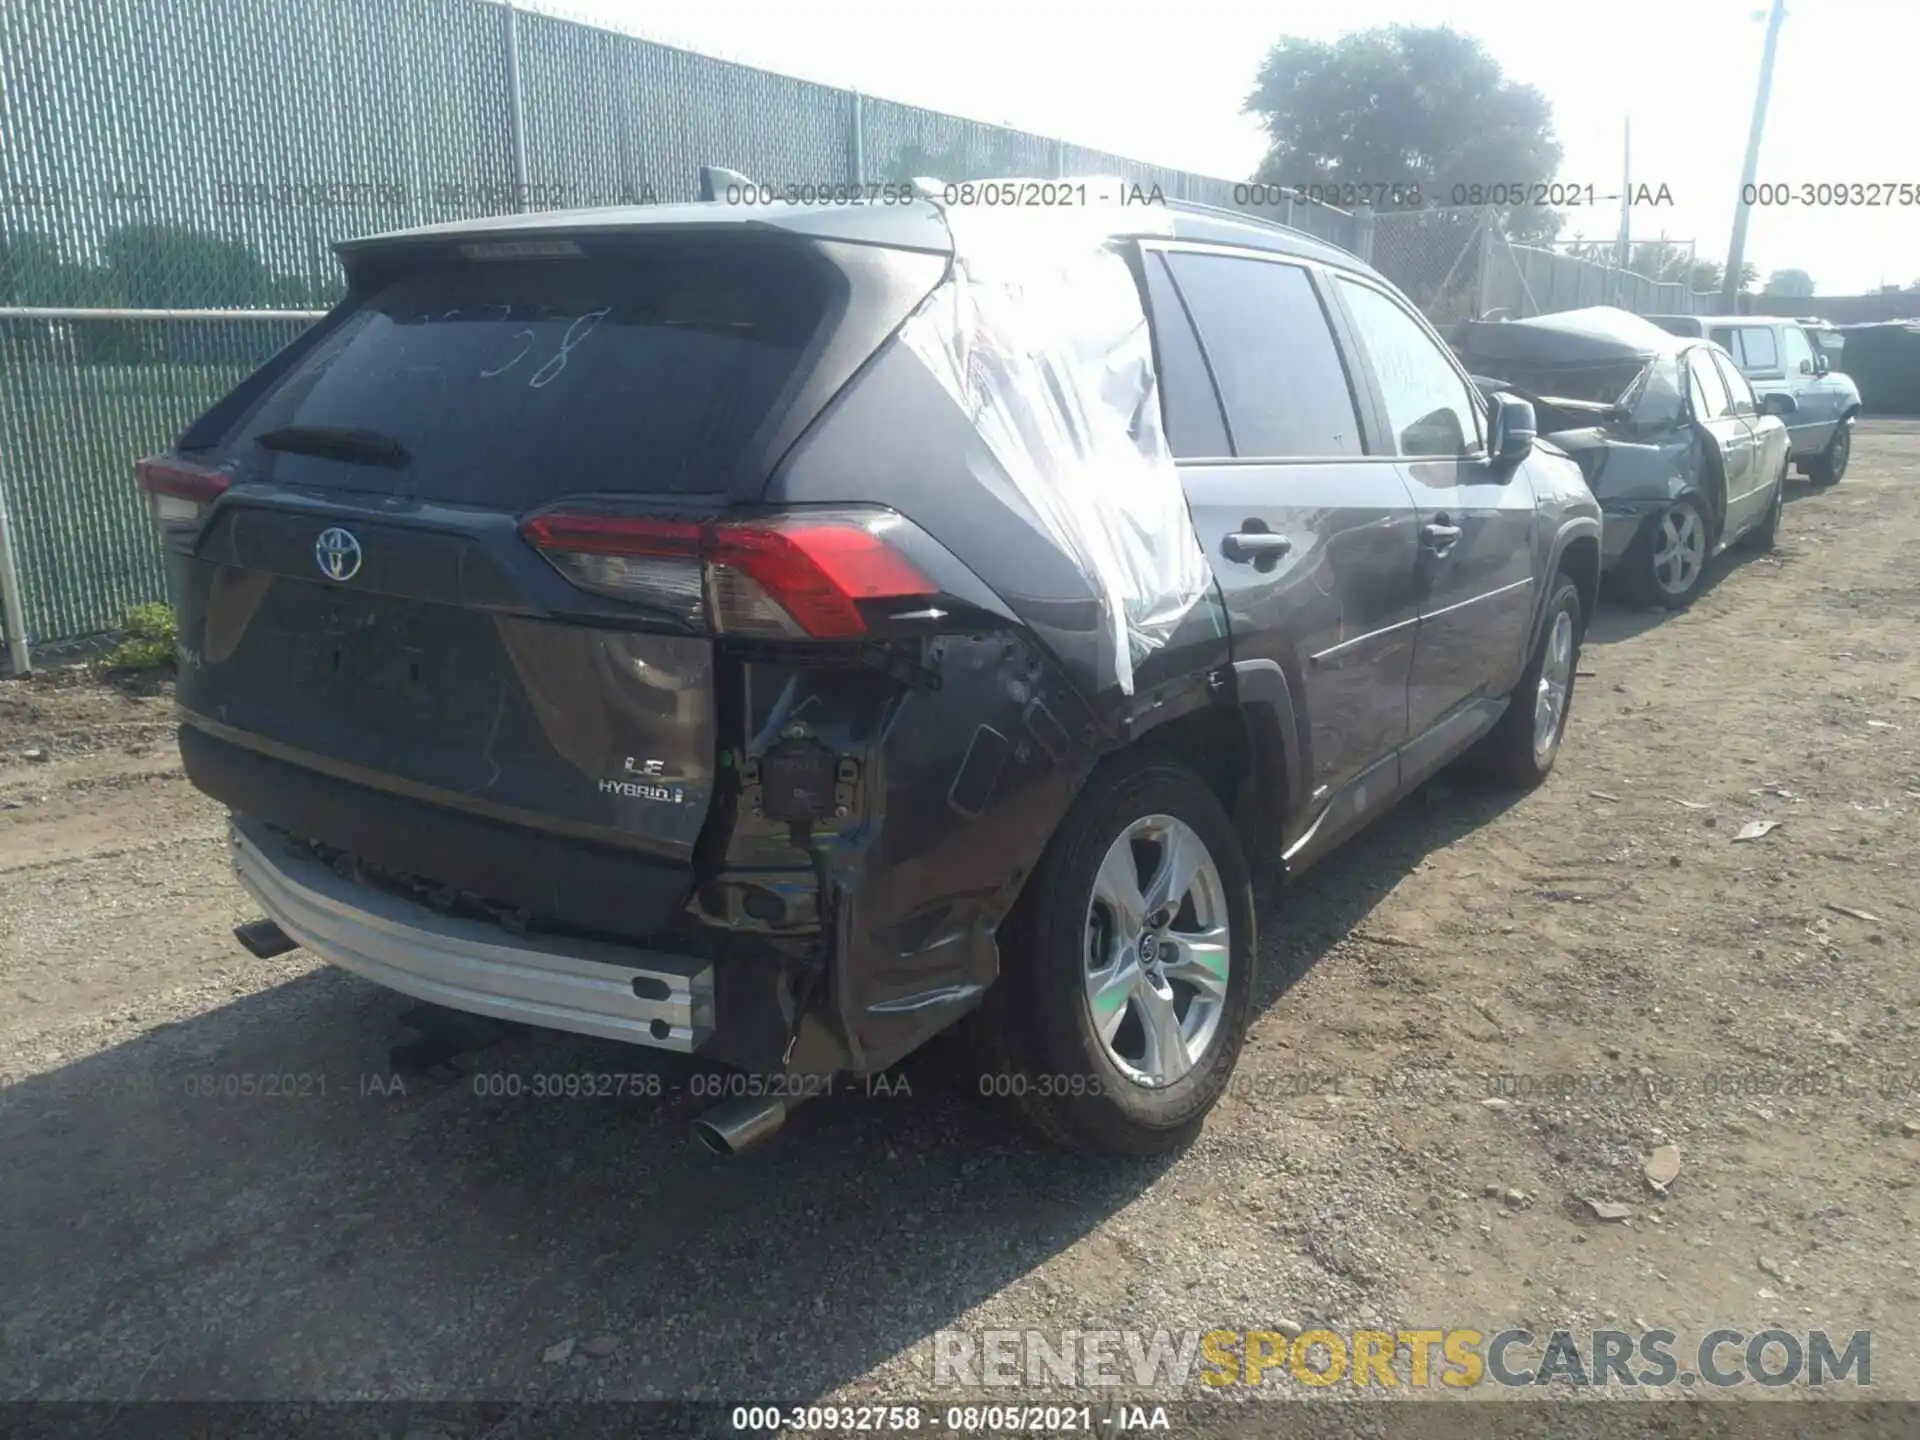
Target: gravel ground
<point x="1603" y="960"/>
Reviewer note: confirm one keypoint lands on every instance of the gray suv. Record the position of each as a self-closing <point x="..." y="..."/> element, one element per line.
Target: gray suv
<point x="737" y="631"/>
<point x="1779" y="356"/>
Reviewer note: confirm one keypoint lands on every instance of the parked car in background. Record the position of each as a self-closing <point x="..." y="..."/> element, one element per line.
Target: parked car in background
<point x="1827" y="341"/>
<point x="1798" y="358"/>
<point x="1683" y="456"/>
<point x="695" y="626"/>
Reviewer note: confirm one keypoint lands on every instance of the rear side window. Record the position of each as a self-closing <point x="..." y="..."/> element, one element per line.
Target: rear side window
<point x="1195" y="428"/>
<point x="1738" y="390"/>
<point x="507" y="384"/>
<point x="1710" y="398"/>
<point x="1755" y="349"/>
<point x="1273" y="356"/>
<point x="1798" y="353"/>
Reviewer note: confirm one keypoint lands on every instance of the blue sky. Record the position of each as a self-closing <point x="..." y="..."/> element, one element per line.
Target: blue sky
<point x="1163" y="80"/>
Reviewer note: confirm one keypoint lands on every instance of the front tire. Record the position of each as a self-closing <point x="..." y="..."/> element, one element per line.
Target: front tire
<point x="1830" y="465"/>
<point x="1669" y="557"/>
<point x="1520" y="750"/>
<point x="1127" y="967"/>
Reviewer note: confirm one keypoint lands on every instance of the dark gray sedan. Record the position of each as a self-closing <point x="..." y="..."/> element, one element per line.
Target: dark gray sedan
<point x="1685" y="460"/>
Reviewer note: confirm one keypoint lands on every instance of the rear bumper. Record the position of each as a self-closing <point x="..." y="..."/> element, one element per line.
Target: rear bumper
<point x="1621" y="524"/>
<point x="613" y="991"/>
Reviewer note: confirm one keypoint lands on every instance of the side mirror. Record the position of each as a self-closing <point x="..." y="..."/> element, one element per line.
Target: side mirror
<point x="1511" y="429"/>
<point x="1778" y="402"/>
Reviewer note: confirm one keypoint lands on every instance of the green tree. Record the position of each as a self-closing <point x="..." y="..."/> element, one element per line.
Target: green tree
<point x="1709" y="274"/>
<point x="166" y="267"/>
<point x="1795" y="283"/>
<point x="33" y="272"/>
<point x="1405" y="105"/>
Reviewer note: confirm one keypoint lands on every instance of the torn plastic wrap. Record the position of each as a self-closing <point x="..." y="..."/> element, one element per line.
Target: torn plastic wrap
<point x="1039" y="334"/>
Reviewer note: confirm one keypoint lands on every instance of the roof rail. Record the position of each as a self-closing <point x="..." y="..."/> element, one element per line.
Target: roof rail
<point x="1227" y="212"/>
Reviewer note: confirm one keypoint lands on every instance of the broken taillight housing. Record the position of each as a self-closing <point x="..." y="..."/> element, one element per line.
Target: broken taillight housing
<point x="178" y="493"/>
<point x="801" y="575"/>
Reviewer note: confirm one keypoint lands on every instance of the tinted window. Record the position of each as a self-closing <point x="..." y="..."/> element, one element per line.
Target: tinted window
<point x="1272" y="354"/>
<point x="1722" y="336"/>
<point x="1710" y="398"/>
<point x="1757" y="351"/>
<point x="1798" y="353"/>
<point x="1429" y="407"/>
<point x="510" y="383"/>
<point x="1187" y="399"/>
<point x="1738" y="390"/>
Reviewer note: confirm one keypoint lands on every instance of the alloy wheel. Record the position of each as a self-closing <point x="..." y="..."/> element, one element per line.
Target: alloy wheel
<point x="1680" y="550"/>
<point x="1158" y="951"/>
<point x="1556" y="683"/>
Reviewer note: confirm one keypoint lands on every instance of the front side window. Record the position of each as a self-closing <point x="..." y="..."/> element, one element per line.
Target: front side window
<point x="1430" y="410"/>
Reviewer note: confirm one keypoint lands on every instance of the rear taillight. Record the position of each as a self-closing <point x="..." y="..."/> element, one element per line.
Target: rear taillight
<point x="179" y="494"/>
<point x="794" y="575"/>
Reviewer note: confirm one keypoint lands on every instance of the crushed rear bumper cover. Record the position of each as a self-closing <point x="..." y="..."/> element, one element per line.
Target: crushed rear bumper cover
<point x="590" y="987"/>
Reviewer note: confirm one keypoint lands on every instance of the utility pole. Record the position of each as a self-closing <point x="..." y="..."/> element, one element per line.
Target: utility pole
<point x="1626" y="209"/>
<point x="1737" y="247"/>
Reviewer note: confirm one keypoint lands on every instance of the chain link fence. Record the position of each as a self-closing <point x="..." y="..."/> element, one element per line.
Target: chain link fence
<point x="294" y="124"/>
<point x="83" y="392"/>
<point x="1485" y="263"/>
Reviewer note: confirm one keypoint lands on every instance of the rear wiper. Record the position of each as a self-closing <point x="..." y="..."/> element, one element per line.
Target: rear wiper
<point x="337" y="442"/>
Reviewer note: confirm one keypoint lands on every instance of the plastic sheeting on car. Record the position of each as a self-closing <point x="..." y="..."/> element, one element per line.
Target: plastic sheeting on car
<point x="1040" y="335"/>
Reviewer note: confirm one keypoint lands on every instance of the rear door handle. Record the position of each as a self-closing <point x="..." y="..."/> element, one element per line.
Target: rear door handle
<point x="1255" y="545"/>
<point x="1440" y="536"/>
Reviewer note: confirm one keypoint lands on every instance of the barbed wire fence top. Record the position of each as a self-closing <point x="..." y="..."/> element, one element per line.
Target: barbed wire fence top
<point x="313" y="121"/>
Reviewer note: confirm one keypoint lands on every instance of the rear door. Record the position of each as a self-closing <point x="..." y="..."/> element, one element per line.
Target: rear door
<point x="1728" y="433"/>
<point x="1768" y="448"/>
<point x="1475" y="582"/>
<point x="363" y="604"/>
<point x="1311" y="537"/>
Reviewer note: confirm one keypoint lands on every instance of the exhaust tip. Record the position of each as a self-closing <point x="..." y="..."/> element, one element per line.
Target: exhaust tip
<point x="711" y="1137"/>
<point x="264" y="939"/>
<point x="737" y="1125"/>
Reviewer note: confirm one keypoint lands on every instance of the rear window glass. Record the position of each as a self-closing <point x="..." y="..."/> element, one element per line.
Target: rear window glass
<point x="507" y="384"/>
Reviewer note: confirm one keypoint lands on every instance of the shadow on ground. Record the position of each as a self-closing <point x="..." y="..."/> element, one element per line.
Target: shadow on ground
<point x="247" y="1205"/>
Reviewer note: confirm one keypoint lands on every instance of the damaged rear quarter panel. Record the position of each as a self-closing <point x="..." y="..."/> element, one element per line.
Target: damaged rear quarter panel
<point x="952" y="777"/>
<point x="963" y="785"/>
<point x="1634" y="476"/>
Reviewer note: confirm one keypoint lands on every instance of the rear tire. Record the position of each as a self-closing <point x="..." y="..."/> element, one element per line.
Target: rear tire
<point x="1830" y="465"/>
<point x="1068" y="950"/>
<point x="1668" y="558"/>
<point x="1764" y="536"/>
<point x="1520" y="750"/>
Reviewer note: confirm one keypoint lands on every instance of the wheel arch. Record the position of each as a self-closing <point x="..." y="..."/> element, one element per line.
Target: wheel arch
<point x="1576" y="554"/>
<point x="1246" y="746"/>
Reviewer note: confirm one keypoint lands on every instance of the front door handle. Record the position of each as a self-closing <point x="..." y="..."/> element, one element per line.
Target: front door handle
<point x="1439" y="536"/>
<point x="1255" y="545"/>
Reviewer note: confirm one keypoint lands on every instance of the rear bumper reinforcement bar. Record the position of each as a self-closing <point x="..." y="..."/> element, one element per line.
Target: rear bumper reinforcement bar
<point x="645" y="997"/>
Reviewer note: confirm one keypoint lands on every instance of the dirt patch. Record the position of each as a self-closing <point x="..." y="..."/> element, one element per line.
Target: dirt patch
<point x="1480" y="1019"/>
